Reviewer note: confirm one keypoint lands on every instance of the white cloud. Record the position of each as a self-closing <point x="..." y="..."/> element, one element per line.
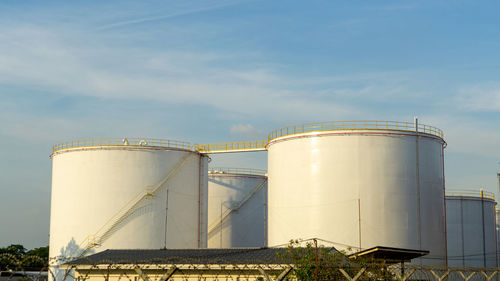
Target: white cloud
<point x="242" y="129"/>
<point x="91" y="57"/>
<point x="398" y="7"/>
<point x="175" y="13"/>
<point x="484" y="97"/>
<point x="49" y="60"/>
<point x="467" y="136"/>
<point x="247" y="131"/>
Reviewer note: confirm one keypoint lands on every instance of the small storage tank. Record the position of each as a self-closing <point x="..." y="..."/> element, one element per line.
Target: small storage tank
<point x="471" y="231"/>
<point x="498" y="234"/>
<point x="359" y="184"/>
<point x="237" y="208"/>
<point x="498" y="224"/>
<point x="126" y="194"/>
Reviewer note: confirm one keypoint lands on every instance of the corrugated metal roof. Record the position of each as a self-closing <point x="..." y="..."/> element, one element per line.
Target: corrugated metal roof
<point x="185" y="256"/>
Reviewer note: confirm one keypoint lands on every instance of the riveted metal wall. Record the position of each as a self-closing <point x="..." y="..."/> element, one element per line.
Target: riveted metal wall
<point x="359" y="189"/>
<point x="237" y="209"/>
<point x="127" y="197"/>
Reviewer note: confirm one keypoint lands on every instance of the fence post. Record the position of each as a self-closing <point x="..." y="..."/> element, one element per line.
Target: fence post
<point x="355" y="277"/>
<point x="488" y="278"/>
<point x="403" y="276"/>
<point x="140" y="273"/>
<point x="266" y="276"/>
<point x="169" y="273"/>
<point x="442" y="277"/>
<point x="468" y="277"/>
<point x="283" y="274"/>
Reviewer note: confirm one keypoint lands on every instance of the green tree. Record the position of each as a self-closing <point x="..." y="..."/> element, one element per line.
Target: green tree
<point x="15" y="257"/>
<point x="37" y="258"/>
<point x="10" y="256"/>
<point x="324" y="263"/>
<point x="14" y="249"/>
<point x="304" y="261"/>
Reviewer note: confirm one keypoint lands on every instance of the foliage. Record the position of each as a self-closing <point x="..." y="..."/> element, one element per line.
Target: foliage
<point x="37" y="258"/>
<point x="15" y="257"/>
<point x="329" y="260"/>
<point x="14" y="249"/>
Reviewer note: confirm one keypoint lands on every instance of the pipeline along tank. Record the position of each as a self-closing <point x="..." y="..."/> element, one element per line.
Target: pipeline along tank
<point x="471" y="231"/>
<point x="358" y="184"/>
<point x="237" y="208"/>
<point x="126" y="193"/>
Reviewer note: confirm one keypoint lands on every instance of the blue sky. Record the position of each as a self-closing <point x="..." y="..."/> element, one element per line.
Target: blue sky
<point x="217" y="71"/>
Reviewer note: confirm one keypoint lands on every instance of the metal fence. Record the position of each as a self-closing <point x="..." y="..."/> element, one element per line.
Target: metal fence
<point x="194" y="271"/>
<point x="158" y="270"/>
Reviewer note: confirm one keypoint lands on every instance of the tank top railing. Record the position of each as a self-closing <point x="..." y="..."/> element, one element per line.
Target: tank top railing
<point x="471" y="193"/>
<point x="123" y="142"/>
<point x="246" y="146"/>
<point x="231" y="146"/>
<point x="246" y="171"/>
<point x="356" y="125"/>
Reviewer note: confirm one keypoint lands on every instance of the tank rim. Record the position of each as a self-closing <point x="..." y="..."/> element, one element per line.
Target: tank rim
<point x="348" y="132"/>
<point x="356" y="125"/>
<point x="121" y="143"/>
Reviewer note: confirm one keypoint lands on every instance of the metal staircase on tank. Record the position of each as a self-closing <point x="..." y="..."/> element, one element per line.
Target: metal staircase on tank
<point x="235" y="207"/>
<point x="107" y="230"/>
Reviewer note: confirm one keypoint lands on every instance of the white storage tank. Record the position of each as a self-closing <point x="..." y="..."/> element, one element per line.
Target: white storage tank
<point x="126" y="194"/>
<point x="237" y="208"/>
<point x="359" y="184"/>
<point x="471" y="231"/>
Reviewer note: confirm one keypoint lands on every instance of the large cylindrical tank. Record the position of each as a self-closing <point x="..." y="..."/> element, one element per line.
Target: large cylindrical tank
<point x="471" y="231"/>
<point x="237" y="208"/>
<point x="358" y="184"/>
<point x="126" y="193"/>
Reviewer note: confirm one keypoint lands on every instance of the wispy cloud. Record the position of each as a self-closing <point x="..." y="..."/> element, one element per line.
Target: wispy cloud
<point x="50" y="60"/>
<point x="173" y="69"/>
<point x="484" y="97"/>
<point x="467" y="135"/>
<point x="181" y="12"/>
<point x="397" y="6"/>
<point x="247" y="131"/>
<point x="47" y="60"/>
